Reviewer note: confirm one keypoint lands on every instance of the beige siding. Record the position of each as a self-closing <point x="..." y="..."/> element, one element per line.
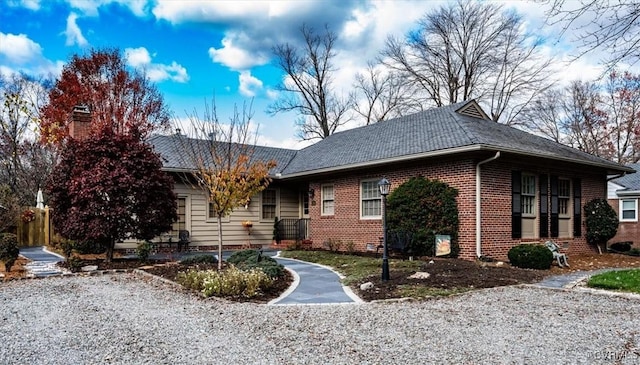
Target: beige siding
<point x="204" y="230"/>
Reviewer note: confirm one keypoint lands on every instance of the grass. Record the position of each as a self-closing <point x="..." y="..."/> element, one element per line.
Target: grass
<point x="624" y="280"/>
<point x="352" y="267"/>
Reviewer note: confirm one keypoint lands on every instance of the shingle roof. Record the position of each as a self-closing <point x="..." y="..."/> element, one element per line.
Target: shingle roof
<point x="630" y="182"/>
<point x="175" y="157"/>
<point x="431" y="131"/>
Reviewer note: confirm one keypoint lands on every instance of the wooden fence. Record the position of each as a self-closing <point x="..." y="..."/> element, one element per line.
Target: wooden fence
<point x="34" y="229"/>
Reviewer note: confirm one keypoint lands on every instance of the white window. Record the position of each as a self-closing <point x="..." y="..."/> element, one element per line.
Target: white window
<point x="327" y="200"/>
<point x="528" y="195"/>
<point x="564" y="197"/>
<point x="370" y="200"/>
<point x="269" y="203"/>
<point x="628" y="210"/>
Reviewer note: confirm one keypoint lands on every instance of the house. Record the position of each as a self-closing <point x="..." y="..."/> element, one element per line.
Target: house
<point x="514" y="187"/>
<point x="623" y="193"/>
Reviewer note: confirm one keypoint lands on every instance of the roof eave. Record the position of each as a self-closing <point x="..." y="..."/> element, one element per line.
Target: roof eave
<point x="610" y="167"/>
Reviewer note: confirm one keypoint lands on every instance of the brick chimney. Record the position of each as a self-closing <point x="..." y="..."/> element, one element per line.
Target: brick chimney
<point x="80" y="122"/>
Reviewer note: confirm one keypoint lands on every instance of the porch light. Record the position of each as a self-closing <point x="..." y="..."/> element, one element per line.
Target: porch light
<point x="384" y="185"/>
<point x="311" y="194"/>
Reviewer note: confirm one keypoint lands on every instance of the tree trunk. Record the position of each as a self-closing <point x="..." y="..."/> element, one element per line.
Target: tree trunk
<point x="219" y="242"/>
<point x="109" y="254"/>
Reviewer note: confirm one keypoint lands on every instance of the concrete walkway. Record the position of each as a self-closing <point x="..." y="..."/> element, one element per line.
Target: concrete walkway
<point x="314" y="284"/>
<point x="43" y="262"/>
<point x="570" y="280"/>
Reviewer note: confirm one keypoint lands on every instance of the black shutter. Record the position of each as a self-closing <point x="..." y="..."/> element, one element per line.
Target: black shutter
<point x="577" y="208"/>
<point x="555" y="219"/>
<point x="516" y="205"/>
<point x="544" y="206"/>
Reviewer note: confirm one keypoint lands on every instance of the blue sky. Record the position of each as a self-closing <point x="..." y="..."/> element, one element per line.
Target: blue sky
<point x="195" y="49"/>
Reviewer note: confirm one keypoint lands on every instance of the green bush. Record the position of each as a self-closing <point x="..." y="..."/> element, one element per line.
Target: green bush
<point x="530" y="257"/>
<point x="231" y="282"/>
<point x="8" y="249"/>
<point x="75" y="263"/>
<point x="144" y="250"/>
<point x="620" y="246"/>
<point x="633" y="252"/>
<point x="200" y="259"/>
<point x="252" y="259"/>
<point x="424" y="208"/>
<point x="601" y="221"/>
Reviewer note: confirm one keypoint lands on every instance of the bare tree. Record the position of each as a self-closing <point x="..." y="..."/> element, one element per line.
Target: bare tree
<point x="308" y="89"/>
<point x="602" y="119"/>
<point x="381" y="94"/>
<point x="610" y="26"/>
<point x="24" y="165"/>
<point x="222" y="156"/>
<point x="467" y="50"/>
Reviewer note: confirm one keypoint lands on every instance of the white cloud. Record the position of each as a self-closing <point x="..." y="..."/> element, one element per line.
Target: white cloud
<point x="90" y="7"/>
<point x="73" y="32"/>
<point x="137" y="57"/>
<point x="29" y="4"/>
<point x="249" y="85"/>
<point x="156" y="72"/>
<point x="234" y="57"/>
<point x="19" y="48"/>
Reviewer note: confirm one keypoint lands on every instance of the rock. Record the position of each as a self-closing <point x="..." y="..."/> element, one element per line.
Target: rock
<point x="89" y="268"/>
<point x="366" y="286"/>
<point x="431" y="262"/>
<point x="420" y="275"/>
<point x="499" y="263"/>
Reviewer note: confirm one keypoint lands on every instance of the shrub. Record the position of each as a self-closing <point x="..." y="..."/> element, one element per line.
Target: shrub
<point x="425" y="208"/>
<point x="8" y="249"/>
<point x="633" y="252"/>
<point x="67" y="247"/>
<point x="75" y="263"/>
<point x="200" y="259"/>
<point x="351" y="247"/>
<point x="530" y="257"/>
<point x="231" y="282"/>
<point x="144" y="250"/>
<point x="601" y="221"/>
<point x="333" y="245"/>
<point x="620" y="246"/>
<point x="253" y="259"/>
<point x="89" y="247"/>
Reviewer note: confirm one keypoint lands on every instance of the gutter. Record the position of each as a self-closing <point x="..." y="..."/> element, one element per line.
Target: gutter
<point x="616" y="176"/>
<point x="478" y="202"/>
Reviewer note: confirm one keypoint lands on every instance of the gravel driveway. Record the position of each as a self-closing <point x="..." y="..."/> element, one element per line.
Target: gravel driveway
<point x="124" y="319"/>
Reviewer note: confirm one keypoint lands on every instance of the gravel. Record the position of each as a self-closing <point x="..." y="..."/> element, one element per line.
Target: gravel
<point x="126" y="319"/>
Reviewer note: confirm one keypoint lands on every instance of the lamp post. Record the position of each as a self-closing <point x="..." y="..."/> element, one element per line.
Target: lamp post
<point x="384" y="186"/>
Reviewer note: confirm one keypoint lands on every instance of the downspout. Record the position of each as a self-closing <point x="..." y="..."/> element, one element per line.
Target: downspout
<point x="478" y="203"/>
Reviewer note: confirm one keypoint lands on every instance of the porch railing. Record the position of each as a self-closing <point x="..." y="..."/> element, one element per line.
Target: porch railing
<point x="293" y="229"/>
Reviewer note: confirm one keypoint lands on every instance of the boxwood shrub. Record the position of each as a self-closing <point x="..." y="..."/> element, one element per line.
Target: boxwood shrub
<point x="530" y="257"/>
<point x="8" y="249"/>
<point x="253" y="259"/>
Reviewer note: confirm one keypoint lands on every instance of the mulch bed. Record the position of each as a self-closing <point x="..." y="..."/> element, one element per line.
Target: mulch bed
<point x="450" y="274"/>
<point x="170" y="270"/>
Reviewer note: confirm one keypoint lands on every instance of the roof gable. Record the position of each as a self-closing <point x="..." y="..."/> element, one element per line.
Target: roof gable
<point x="473" y="110"/>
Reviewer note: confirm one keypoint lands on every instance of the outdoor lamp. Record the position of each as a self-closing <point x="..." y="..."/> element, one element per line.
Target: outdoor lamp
<point x="384" y="186"/>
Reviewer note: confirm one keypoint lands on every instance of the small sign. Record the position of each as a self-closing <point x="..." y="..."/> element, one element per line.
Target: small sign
<point x="443" y="245"/>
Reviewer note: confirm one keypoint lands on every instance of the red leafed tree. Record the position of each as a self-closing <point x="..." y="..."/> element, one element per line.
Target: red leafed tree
<point x="119" y="99"/>
<point x="109" y="188"/>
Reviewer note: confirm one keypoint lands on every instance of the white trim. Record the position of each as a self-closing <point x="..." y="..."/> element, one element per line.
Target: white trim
<point x="360" y="201"/>
<point x="277" y="211"/>
<point x="635" y="210"/>
<point x="322" y="212"/>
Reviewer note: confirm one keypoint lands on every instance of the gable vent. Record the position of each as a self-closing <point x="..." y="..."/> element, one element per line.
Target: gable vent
<point x="473" y="110"/>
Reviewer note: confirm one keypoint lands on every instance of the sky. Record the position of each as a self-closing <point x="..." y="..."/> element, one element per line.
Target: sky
<point x="195" y="51"/>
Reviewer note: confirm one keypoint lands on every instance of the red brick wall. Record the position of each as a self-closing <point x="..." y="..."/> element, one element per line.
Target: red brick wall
<point x="627" y="231"/>
<point x="346" y="224"/>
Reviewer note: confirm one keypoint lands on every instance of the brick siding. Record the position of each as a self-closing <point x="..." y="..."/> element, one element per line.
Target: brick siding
<point x="346" y="224"/>
<point x="627" y="231"/>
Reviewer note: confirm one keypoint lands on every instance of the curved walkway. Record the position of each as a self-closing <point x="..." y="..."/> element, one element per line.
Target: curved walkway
<point x="314" y="284"/>
<point x="43" y="262"/>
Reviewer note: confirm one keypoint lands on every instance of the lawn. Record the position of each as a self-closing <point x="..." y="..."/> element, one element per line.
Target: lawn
<point x="623" y="280"/>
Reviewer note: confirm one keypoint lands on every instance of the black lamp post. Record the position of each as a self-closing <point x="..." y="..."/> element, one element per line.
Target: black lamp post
<point x="384" y="186"/>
